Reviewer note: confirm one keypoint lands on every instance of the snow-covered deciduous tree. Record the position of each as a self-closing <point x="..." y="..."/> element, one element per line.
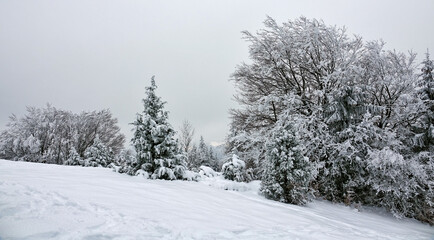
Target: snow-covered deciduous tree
<point x="186" y="135"/>
<point x="48" y="134"/>
<point x="303" y="60"/>
<point x="101" y="123"/>
<point x="98" y="155"/>
<point x="156" y="148"/>
<point x="235" y="169"/>
<point x="303" y="57"/>
<point x="287" y="172"/>
<point x="248" y="145"/>
<point x="387" y="76"/>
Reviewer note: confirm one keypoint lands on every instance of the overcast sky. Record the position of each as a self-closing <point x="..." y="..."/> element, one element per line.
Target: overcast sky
<point x="91" y="55"/>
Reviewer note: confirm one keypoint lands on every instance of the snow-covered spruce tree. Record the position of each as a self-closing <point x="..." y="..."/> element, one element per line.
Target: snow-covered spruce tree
<point x="98" y="155"/>
<point x="192" y="158"/>
<point x="157" y="150"/>
<point x="203" y="155"/>
<point x="415" y="129"/>
<point x="74" y="158"/>
<point x="235" y="169"/>
<point x="425" y="138"/>
<point x="214" y="163"/>
<point x="427" y="77"/>
<point x="287" y="172"/>
<point x="342" y="178"/>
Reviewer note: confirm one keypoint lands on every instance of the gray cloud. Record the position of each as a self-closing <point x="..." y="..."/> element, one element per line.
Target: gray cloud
<point x="89" y="55"/>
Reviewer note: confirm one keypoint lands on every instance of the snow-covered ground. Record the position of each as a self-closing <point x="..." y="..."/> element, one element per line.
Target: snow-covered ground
<point x="39" y="201"/>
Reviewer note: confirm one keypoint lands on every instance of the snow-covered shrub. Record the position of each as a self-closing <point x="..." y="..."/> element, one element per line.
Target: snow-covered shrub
<point x="190" y="175"/>
<point x="224" y="184"/>
<point x="126" y="162"/>
<point x="287" y="172"/>
<point x="98" y="155"/>
<point x="169" y="169"/>
<point x="394" y="180"/>
<point x="142" y="173"/>
<point x="249" y="146"/>
<point x="424" y="201"/>
<point x="207" y="171"/>
<point x="235" y="169"/>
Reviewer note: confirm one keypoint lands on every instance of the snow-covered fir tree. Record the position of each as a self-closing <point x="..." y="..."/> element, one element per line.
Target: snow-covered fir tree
<point x="214" y="164"/>
<point x="426" y="93"/>
<point x="157" y="150"/>
<point x="203" y="155"/>
<point x="427" y="77"/>
<point x="98" y="155"/>
<point x="287" y="172"/>
<point x="192" y="163"/>
<point x="74" y="158"/>
<point x="424" y="142"/>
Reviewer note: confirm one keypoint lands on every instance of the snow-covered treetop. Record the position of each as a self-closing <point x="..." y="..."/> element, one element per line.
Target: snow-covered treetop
<point x="153" y="105"/>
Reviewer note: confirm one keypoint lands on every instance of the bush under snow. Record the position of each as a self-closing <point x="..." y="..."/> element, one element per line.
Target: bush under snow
<point x="235" y="169"/>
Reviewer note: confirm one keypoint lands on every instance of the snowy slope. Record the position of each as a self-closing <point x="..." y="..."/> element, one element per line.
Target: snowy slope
<point x="39" y="201"/>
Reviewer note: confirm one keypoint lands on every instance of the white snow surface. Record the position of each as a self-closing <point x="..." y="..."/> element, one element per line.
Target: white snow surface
<point x="40" y="201"/>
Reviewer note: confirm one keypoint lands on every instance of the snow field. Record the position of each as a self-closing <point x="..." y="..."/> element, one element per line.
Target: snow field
<point x="40" y="201"/>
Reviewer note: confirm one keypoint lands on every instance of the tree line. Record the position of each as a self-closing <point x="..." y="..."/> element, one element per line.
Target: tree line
<point x="51" y="135"/>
